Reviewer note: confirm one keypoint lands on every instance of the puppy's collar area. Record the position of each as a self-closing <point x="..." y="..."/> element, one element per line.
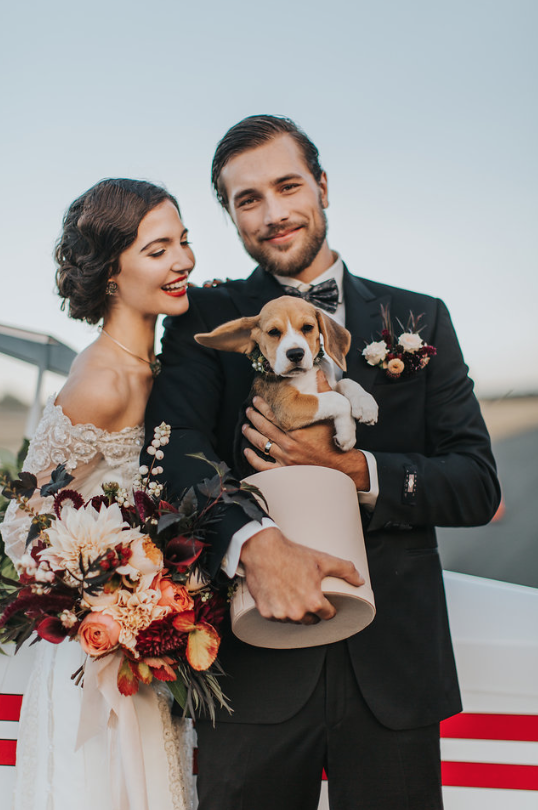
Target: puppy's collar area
<point x="261" y="364"/>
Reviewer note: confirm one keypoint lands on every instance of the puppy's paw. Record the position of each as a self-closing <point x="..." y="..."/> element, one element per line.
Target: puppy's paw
<point x="364" y="408"/>
<point x="345" y="435"/>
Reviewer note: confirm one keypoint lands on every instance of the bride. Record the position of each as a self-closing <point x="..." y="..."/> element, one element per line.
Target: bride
<point x="123" y="258"/>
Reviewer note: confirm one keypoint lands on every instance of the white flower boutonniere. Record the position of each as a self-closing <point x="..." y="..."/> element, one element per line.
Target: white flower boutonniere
<point x="404" y="355"/>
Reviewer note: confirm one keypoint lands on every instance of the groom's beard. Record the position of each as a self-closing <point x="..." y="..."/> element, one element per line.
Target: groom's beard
<point x="283" y="261"/>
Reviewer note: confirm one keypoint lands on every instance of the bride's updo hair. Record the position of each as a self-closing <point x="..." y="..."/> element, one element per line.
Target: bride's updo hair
<point x="97" y="228"/>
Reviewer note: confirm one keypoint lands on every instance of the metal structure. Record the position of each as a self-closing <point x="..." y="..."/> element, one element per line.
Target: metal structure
<point x="41" y="350"/>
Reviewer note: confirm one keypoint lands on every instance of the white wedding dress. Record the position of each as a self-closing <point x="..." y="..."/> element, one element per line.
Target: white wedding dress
<point x="51" y="775"/>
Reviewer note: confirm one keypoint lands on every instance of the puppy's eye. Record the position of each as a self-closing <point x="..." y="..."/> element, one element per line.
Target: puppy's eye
<point x="307" y="327"/>
<point x="274" y="332"/>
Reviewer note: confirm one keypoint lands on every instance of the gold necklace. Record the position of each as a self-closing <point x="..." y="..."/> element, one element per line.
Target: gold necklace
<point x="155" y="365"/>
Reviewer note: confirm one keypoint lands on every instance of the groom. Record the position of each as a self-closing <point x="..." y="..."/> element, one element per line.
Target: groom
<point x="366" y="710"/>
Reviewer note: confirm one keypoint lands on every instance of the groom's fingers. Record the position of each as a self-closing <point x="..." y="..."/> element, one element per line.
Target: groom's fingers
<point x="343" y="569"/>
<point x="264" y="426"/>
<point x="256" y="438"/>
<point x="262" y="406"/>
<point x="259" y="464"/>
<point x="285" y="578"/>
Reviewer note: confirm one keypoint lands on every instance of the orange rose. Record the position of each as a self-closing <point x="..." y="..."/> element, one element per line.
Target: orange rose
<point x="173" y="595"/>
<point x="98" y="633"/>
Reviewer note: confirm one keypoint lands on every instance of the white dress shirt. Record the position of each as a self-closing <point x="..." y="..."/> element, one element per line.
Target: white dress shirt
<point x="230" y="561"/>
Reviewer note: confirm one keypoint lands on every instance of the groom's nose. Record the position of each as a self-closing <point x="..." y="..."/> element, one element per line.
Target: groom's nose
<point x="275" y="209"/>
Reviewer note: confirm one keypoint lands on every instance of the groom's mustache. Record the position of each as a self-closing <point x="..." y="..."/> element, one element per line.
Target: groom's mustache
<point x="278" y="230"/>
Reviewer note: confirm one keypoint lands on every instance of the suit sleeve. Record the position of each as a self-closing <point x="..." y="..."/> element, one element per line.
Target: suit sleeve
<point x="454" y="482"/>
<point x="187" y="396"/>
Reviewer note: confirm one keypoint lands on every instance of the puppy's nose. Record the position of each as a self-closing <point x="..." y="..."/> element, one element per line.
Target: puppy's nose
<point x="295" y="355"/>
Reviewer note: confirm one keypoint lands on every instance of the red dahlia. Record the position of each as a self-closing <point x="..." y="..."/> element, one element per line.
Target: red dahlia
<point x="160" y="638"/>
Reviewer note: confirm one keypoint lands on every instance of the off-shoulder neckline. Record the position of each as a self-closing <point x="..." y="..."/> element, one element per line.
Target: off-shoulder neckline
<point x="89" y="425"/>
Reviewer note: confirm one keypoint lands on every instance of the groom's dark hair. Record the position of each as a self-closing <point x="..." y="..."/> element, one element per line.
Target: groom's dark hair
<point x="255" y="131"/>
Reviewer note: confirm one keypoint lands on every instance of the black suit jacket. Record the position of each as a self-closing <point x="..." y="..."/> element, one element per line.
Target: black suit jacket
<point x="429" y="426"/>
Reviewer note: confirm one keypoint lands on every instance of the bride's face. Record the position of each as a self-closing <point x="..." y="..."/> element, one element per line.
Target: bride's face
<point x="155" y="268"/>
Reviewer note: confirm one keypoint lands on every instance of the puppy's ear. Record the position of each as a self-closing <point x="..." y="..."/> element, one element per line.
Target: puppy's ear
<point x="234" y="336"/>
<point x="336" y="339"/>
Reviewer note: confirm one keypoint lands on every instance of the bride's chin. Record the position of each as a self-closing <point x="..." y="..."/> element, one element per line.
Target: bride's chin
<point x="177" y="306"/>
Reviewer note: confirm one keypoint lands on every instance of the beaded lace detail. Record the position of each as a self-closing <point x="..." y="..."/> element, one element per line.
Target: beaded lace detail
<point x="58" y="441"/>
<point x="178" y="745"/>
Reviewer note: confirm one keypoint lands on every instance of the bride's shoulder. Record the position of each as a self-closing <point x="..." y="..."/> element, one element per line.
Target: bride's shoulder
<point x="94" y="393"/>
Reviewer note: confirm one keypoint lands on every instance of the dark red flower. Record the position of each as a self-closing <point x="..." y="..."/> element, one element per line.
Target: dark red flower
<point x="211" y="611"/>
<point x="67" y="497"/>
<point x="180" y="552"/>
<point x="159" y="638"/>
<point x="36" y="605"/>
<point x="145" y="506"/>
<point x="387" y="337"/>
<point x="98" y="501"/>
<point x="51" y="629"/>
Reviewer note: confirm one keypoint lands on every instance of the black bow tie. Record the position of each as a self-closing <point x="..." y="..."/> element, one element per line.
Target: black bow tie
<point x="324" y="295"/>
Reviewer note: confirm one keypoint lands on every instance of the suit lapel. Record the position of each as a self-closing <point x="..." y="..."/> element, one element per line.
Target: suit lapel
<point x="363" y="319"/>
<point x="259" y="288"/>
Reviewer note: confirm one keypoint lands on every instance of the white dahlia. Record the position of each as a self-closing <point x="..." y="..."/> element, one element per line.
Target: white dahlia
<point x="85" y="532"/>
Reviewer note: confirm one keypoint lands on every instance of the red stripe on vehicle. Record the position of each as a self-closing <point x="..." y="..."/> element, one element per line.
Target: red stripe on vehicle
<point x="522" y="727"/>
<point x="8" y="749"/>
<point x="10" y="707"/>
<point x="489" y="775"/>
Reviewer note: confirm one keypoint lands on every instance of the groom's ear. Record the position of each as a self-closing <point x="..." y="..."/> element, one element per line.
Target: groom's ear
<point x="234" y="336"/>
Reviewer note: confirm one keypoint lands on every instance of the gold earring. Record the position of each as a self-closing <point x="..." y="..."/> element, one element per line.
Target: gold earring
<point x="111" y="288"/>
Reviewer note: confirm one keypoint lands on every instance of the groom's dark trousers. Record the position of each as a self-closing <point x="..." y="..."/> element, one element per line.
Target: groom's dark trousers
<point x="367" y="709"/>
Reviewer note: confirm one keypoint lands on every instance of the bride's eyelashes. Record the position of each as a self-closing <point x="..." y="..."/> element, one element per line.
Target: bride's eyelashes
<point x="161" y="252"/>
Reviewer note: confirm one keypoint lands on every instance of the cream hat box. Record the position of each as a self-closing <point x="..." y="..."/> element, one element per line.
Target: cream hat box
<point x="317" y="507"/>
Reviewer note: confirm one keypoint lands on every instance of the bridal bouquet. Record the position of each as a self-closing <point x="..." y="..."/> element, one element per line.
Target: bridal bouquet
<point x="125" y="572"/>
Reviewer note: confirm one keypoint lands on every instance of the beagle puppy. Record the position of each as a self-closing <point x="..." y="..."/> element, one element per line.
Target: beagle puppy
<point x="286" y="343"/>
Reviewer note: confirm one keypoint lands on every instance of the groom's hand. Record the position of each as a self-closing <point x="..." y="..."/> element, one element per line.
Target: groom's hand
<point x="285" y="578"/>
<point x="310" y="445"/>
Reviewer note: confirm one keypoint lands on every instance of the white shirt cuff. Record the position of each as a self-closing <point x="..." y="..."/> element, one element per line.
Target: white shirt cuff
<point x="230" y="561"/>
<point x="369" y="499"/>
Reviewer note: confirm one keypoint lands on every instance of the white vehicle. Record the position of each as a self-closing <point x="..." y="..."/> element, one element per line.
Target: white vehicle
<point x="489" y="751"/>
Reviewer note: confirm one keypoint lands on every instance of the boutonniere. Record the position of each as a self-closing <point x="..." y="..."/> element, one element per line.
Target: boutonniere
<point x="401" y="355"/>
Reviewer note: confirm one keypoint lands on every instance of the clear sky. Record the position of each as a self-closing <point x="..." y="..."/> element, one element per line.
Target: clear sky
<point x="425" y="114"/>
